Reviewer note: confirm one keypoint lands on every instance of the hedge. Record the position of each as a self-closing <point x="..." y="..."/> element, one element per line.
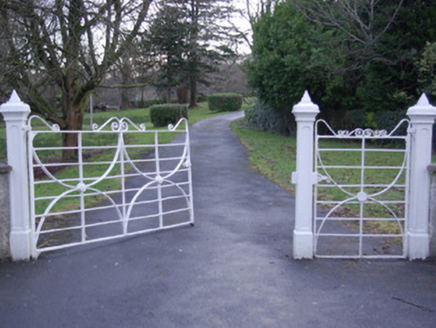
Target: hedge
<point x="223" y="102"/>
<point x="162" y="115"/>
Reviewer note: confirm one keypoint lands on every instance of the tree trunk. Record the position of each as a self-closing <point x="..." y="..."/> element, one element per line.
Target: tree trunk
<point x="193" y="89"/>
<point x="74" y="122"/>
<point x="168" y="95"/>
<point x="125" y="99"/>
<point x="182" y="95"/>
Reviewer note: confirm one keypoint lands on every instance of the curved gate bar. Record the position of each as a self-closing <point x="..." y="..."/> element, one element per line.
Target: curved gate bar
<point x="139" y="192"/>
<point x="332" y="210"/>
<point x="47" y="210"/>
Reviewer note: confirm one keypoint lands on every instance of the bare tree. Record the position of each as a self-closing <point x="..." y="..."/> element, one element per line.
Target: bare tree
<point x="67" y="46"/>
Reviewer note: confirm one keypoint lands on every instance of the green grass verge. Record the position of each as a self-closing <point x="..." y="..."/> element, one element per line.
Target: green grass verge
<point x="273" y="155"/>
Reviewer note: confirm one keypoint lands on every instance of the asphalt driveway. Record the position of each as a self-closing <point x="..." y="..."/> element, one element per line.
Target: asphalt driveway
<point x="233" y="269"/>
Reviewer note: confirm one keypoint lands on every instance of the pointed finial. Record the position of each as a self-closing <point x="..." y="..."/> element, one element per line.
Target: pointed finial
<point x="422" y="104"/>
<point x="306" y="98"/>
<point x="423" y="101"/>
<point x="14" y="97"/>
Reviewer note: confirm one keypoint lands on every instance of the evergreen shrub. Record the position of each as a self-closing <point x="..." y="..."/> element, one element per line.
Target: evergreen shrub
<point x="261" y="116"/>
<point x="162" y="115"/>
<point x="223" y="102"/>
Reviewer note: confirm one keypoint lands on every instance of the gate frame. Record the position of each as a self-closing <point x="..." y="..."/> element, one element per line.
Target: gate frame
<point x="422" y="117"/>
<point x="361" y="136"/>
<point x="15" y="113"/>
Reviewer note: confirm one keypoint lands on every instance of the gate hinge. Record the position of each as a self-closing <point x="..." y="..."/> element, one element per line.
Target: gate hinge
<point x="294" y="179"/>
<point x="315" y="178"/>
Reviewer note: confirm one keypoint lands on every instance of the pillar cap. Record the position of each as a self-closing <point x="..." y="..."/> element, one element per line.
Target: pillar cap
<point x="14" y="105"/>
<point x="305" y="105"/>
<point x="422" y="108"/>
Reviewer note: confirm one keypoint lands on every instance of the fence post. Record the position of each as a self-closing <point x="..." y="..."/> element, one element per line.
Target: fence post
<point x="305" y="113"/>
<point x="15" y="114"/>
<point x="422" y="117"/>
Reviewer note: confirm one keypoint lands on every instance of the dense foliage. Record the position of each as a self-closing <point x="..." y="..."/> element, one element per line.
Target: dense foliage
<point x="224" y="102"/>
<point x="299" y="47"/>
<point x="163" y="115"/>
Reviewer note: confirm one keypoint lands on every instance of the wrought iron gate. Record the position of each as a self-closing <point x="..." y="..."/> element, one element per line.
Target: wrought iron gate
<point x="123" y="180"/>
<point x="361" y="205"/>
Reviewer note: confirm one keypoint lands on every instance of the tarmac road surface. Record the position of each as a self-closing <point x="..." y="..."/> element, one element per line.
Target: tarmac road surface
<point x="233" y="269"/>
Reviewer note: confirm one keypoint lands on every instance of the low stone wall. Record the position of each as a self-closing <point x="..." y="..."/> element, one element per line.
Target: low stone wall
<point x="5" y="220"/>
<point x="432" y="223"/>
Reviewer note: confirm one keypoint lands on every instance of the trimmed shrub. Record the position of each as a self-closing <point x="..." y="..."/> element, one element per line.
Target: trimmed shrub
<point x="223" y="102"/>
<point x="162" y="115"/>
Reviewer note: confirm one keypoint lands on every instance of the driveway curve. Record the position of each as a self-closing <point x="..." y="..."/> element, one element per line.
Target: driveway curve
<point x="233" y="269"/>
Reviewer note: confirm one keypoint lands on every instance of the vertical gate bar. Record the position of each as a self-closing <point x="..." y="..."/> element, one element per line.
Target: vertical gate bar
<point x="315" y="192"/>
<point x="189" y="164"/>
<point x="406" y="197"/>
<point x="158" y="178"/>
<point x="30" y="137"/>
<point x="362" y="188"/>
<point x="122" y="148"/>
<point x="81" y="185"/>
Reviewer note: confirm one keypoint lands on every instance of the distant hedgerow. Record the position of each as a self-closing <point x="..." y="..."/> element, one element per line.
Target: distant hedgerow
<point x="224" y="102"/>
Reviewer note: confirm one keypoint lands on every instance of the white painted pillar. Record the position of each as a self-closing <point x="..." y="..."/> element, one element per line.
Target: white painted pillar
<point x="422" y="117"/>
<point x="305" y="113"/>
<point x="15" y="114"/>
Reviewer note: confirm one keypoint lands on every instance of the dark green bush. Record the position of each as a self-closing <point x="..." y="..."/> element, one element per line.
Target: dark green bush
<point x="224" y="102"/>
<point x="265" y="118"/>
<point x="162" y="115"/>
<point x="388" y="120"/>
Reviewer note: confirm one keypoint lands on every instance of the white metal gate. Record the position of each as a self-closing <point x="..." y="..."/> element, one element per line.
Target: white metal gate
<point x="125" y="180"/>
<point x="361" y="205"/>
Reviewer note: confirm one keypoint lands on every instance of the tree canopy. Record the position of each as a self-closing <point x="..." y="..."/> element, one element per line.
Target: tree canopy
<point x="349" y="54"/>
